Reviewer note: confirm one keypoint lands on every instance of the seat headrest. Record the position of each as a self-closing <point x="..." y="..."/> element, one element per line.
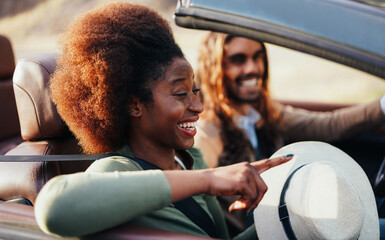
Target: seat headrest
<point x="37" y="113"/>
<point x="7" y="60"/>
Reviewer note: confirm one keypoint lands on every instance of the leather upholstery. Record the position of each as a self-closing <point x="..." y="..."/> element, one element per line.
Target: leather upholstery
<point x="25" y="179"/>
<point x="38" y="116"/>
<point x="7" y="60"/>
<point x="9" y="120"/>
<point x="42" y="129"/>
<point x="40" y="124"/>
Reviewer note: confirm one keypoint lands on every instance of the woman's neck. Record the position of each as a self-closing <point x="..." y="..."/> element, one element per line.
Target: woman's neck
<point x="160" y="157"/>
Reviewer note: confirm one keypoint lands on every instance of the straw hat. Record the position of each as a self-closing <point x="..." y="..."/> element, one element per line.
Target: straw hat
<point x="328" y="196"/>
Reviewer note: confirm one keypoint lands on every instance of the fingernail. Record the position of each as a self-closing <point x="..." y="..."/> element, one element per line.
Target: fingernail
<point x="239" y="205"/>
<point x="231" y="208"/>
<point x="289" y="155"/>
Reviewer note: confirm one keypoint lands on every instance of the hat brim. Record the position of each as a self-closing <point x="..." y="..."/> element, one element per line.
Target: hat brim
<point x="268" y="225"/>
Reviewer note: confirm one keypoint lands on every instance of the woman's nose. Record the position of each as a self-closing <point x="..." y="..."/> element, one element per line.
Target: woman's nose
<point x="195" y="104"/>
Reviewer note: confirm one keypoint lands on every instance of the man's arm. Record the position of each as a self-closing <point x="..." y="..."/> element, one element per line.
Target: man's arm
<point x="298" y="124"/>
<point x="208" y="140"/>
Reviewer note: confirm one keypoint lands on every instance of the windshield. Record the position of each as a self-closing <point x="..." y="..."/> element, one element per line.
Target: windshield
<point x="375" y="3"/>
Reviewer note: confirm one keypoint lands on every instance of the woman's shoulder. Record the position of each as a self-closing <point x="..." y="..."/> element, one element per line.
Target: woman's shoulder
<point x="114" y="163"/>
<point x="121" y="162"/>
<point x="197" y="156"/>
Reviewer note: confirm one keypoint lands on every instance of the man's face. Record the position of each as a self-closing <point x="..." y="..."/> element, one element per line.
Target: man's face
<point x="243" y="67"/>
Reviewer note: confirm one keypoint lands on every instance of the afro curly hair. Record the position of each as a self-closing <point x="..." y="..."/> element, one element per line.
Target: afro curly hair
<point x="107" y="55"/>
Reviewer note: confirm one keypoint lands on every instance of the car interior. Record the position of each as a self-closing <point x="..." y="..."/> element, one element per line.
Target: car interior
<point x="9" y="125"/>
<point x="30" y="126"/>
<point x="42" y="131"/>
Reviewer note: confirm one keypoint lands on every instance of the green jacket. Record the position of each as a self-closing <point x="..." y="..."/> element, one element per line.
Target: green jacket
<point x="116" y="190"/>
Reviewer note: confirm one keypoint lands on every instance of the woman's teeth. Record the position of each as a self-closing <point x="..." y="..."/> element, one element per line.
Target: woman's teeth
<point x="188" y="125"/>
<point x="249" y="83"/>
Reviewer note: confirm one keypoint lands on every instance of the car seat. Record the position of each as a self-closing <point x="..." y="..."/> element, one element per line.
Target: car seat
<point x="9" y="120"/>
<point x="43" y="132"/>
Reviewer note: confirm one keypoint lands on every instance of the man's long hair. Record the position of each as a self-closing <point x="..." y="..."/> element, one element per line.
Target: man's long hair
<point x="210" y="76"/>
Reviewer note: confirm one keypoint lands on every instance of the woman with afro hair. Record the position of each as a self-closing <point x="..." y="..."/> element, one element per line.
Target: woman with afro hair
<point x="123" y="87"/>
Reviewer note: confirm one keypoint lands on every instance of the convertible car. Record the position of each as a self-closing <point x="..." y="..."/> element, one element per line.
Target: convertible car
<point x="344" y="32"/>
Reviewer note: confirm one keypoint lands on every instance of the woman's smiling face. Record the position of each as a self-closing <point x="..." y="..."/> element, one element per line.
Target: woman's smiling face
<point x="170" y="120"/>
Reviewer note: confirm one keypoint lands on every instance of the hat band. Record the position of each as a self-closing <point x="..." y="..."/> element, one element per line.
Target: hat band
<point x="282" y="209"/>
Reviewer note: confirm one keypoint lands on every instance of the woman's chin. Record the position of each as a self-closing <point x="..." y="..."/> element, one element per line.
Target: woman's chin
<point x="186" y="145"/>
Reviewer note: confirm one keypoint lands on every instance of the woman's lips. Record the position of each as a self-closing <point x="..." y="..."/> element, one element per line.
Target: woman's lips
<point x="188" y="128"/>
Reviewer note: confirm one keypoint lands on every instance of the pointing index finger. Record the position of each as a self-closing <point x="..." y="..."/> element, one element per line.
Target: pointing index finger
<point x="266" y="164"/>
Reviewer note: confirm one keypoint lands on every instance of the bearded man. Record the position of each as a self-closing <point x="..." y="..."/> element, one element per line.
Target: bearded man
<point x="242" y="123"/>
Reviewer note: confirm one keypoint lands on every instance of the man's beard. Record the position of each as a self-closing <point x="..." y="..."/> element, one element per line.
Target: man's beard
<point x="237" y="96"/>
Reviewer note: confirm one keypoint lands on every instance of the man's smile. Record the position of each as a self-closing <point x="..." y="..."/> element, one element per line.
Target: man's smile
<point x="249" y="83"/>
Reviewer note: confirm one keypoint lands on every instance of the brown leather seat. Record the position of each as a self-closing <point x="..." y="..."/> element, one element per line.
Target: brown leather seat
<point x="41" y="126"/>
<point x="9" y="120"/>
<point x="42" y="129"/>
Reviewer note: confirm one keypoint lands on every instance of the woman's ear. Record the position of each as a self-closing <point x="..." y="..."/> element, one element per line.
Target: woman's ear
<point x="135" y="107"/>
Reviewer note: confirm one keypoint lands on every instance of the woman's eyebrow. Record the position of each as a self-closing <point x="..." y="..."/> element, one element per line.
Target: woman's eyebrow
<point x="176" y="81"/>
<point x="180" y="79"/>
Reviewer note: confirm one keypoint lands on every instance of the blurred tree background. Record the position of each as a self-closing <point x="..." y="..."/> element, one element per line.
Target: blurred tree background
<point x="33" y="27"/>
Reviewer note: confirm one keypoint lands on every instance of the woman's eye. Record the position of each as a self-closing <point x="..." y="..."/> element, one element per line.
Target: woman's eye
<point x="184" y="94"/>
<point x="196" y="91"/>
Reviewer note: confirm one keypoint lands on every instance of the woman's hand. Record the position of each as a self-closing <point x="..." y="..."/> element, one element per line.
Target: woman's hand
<point x="238" y="179"/>
<point x="243" y="179"/>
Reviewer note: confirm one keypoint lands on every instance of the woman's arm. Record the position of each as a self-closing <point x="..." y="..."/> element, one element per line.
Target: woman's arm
<point x="85" y="203"/>
<point x="239" y="179"/>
